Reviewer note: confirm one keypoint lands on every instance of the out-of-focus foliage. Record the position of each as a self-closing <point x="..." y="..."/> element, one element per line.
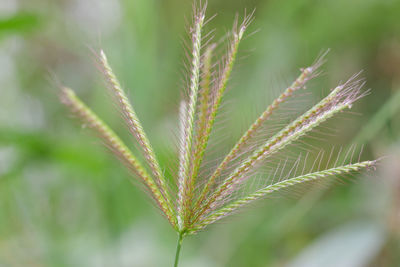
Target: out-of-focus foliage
<point x="64" y="201"/>
<point x="18" y="23"/>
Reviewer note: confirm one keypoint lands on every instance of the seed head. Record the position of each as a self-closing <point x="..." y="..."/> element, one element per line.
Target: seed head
<point x="190" y="205"/>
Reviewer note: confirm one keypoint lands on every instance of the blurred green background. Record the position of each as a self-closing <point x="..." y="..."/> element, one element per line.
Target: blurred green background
<point x="65" y="201"/>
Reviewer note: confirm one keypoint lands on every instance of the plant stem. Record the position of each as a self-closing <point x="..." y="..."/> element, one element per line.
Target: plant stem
<point x="178" y="249"/>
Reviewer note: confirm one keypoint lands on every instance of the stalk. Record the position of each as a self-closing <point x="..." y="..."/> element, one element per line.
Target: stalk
<point x="178" y="249"/>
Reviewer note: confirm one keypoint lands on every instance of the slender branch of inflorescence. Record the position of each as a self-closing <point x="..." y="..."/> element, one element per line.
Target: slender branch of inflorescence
<point x="204" y="104"/>
<point x="182" y="147"/>
<point x="223" y="212"/>
<point x="185" y="184"/>
<point x="69" y="98"/>
<point x="135" y="127"/>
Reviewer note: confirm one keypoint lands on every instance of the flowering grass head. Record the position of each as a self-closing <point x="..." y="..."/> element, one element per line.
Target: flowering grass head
<point x="198" y="200"/>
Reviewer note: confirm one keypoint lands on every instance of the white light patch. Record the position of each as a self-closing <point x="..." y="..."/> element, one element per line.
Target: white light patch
<point x="8" y="7"/>
<point x="95" y="16"/>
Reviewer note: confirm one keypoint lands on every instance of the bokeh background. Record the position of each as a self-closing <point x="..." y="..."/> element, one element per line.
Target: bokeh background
<point x="65" y="201"/>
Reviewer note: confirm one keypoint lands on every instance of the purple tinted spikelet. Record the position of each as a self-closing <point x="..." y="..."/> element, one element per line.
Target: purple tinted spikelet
<point x="185" y="183"/>
<point x="204" y="105"/>
<point x="202" y="199"/>
<point x="181" y="171"/>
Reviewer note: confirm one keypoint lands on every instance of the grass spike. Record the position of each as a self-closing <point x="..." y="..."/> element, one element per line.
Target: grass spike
<point x="204" y="103"/>
<point x="135" y="126"/>
<point x="181" y="171"/>
<point x="184" y="182"/>
<point x="225" y="211"/>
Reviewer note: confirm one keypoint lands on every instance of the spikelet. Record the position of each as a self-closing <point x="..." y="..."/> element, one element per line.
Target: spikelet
<point x="185" y="183"/>
<point x="204" y="104"/>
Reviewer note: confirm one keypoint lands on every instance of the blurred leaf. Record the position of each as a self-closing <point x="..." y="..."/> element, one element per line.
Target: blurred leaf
<point x="354" y="244"/>
<point x="380" y="118"/>
<point x="19" y="23"/>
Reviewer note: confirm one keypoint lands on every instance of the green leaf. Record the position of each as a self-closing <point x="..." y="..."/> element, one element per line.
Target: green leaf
<point x="19" y="23"/>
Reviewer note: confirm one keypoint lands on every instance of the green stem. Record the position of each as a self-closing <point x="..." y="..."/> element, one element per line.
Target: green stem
<point x="178" y="249"/>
